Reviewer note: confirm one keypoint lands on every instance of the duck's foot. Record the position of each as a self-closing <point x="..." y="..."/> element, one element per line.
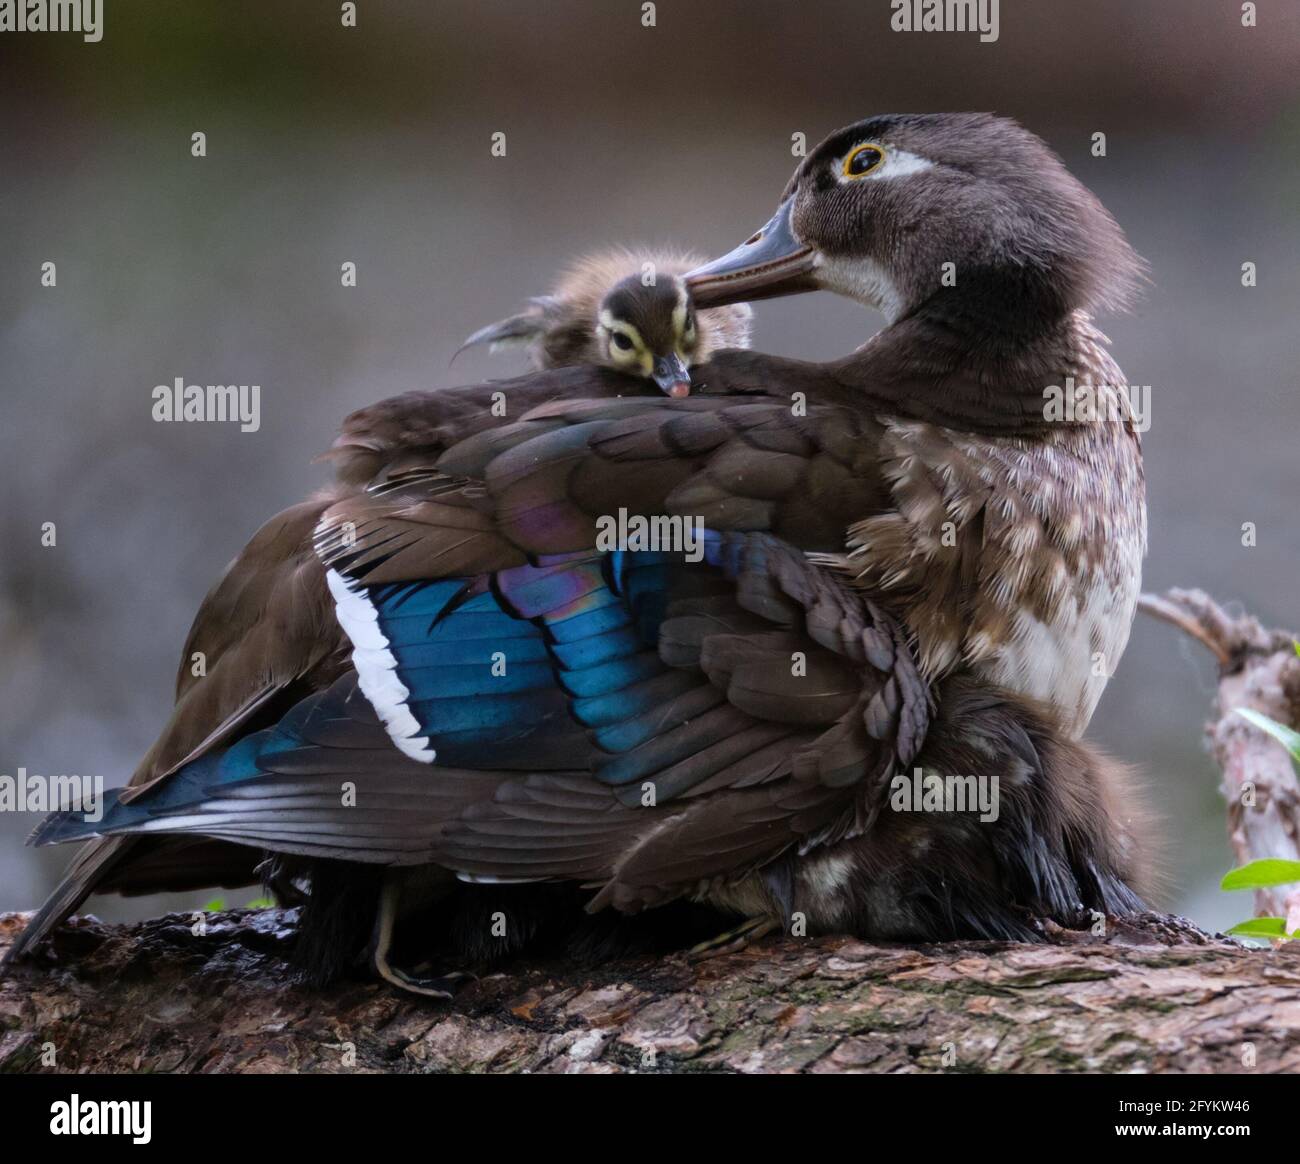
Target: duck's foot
<point x="280" y="883"/>
<point x="734" y="940"/>
<point x="413" y="981"/>
<point x="441" y="986"/>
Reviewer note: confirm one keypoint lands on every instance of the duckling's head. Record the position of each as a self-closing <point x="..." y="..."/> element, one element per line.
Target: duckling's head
<point x="964" y="209"/>
<point x="628" y="310"/>
<point x="650" y="329"/>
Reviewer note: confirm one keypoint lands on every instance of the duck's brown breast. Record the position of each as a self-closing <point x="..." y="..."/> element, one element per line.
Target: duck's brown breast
<point x="1017" y="557"/>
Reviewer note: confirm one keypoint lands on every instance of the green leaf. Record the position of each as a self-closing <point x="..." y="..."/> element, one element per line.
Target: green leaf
<point x="260" y="903"/>
<point x="216" y="905"/>
<point x="1262" y="874"/>
<point x="1289" y="739"/>
<point x="1262" y="927"/>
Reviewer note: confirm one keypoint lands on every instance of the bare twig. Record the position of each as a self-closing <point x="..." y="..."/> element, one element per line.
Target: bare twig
<point x="1175" y="614"/>
<point x="1258" y="668"/>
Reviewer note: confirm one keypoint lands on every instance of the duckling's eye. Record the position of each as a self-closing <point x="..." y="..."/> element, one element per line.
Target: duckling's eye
<point x="862" y="161"/>
<point x="621" y="340"/>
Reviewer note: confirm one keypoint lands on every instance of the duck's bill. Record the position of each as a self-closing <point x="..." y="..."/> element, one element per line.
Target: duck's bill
<point x="770" y="263"/>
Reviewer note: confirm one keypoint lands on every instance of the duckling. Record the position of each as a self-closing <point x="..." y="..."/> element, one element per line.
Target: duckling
<point x="626" y="310"/>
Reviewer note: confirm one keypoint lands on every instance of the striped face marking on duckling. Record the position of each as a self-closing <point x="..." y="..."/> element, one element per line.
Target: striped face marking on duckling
<point x="650" y="331"/>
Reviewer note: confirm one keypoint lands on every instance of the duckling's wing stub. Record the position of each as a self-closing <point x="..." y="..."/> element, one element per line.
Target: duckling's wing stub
<point x="516" y="329"/>
<point x="558" y="335"/>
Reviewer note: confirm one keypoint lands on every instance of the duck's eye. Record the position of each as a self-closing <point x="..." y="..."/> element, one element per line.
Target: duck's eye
<point x="622" y="340"/>
<point x="863" y="160"/>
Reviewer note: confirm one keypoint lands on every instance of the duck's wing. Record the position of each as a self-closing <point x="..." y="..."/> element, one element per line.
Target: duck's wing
<point x="262" y="630"/>
<point x="595" y="753"/>
<point x="756" y="701"/>
<point x="266" y="630"/>
<point x="264" y="634"/>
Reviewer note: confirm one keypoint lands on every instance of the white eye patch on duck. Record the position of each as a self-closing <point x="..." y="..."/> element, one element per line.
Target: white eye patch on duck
<point x="858" y="277"/>
<point x="869" y="162"/>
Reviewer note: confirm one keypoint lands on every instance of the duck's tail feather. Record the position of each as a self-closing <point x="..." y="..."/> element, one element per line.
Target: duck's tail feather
<point x="90" y="866"/>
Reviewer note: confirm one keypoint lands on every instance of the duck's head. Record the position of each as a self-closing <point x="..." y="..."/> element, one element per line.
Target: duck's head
<point x="964" y="209"/>
<point x="651" y="328"/>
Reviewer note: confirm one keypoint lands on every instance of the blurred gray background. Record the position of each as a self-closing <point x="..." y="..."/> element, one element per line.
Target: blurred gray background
<point x="328" y="144"/>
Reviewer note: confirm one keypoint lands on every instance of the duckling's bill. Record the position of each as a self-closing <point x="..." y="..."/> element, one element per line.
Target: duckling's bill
<point x="672" y="375"/>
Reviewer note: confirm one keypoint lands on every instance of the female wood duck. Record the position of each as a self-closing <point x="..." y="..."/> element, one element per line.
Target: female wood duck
<point x="435" y="691"/>
<point x="626" y="310"/>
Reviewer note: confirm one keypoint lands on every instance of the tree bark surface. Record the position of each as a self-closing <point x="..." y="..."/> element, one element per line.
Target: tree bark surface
<point x="1155" y="995"/>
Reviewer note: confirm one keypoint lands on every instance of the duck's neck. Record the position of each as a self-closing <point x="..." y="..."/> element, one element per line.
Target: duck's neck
<point x="986" y="360"/>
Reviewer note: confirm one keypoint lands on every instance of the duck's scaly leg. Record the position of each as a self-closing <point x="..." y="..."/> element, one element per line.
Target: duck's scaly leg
<point x="438" y="986"/>
<point x="735" y="939"/>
